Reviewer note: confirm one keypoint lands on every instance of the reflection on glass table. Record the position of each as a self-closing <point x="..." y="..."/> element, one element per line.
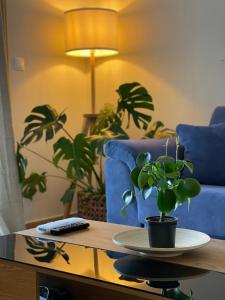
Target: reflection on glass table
<point x="158" y="275"/>
<point x="132" y="271"/>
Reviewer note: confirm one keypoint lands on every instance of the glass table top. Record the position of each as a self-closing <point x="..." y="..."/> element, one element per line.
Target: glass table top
<point x="137" y="272"/>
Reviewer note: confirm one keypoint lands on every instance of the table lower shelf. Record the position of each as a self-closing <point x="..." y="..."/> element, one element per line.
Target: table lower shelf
<point x="22" y="282"/>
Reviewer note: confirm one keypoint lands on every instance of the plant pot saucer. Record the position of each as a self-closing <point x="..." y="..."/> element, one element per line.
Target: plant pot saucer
<point x="137" y="240"/>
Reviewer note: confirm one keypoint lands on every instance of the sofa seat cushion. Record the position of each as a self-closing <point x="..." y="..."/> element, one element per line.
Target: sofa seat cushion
<point x="206" y="212"/>
<point x="204" y="146"/>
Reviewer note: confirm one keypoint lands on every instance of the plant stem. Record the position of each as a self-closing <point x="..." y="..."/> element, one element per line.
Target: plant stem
<point x="44" y="158"/>
<point x="101" y="169"/>
<point x="67" y="133"/>
<point x="162" y="217"/>
<point x="167" y="143"/>
<point x="177" y="147"/>
<point x="96" y="175"/>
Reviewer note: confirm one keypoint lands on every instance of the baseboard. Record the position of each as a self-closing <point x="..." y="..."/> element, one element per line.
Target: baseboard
<point x="35" y="223"/>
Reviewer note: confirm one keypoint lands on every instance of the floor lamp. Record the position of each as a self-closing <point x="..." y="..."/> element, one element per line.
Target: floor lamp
<point x="92" y="33"/>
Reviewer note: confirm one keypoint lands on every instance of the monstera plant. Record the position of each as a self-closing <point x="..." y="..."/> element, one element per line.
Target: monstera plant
<point x="78" y="158"/>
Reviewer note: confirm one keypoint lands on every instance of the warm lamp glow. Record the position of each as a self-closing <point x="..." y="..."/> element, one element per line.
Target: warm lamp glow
<point x="91" y="30"/>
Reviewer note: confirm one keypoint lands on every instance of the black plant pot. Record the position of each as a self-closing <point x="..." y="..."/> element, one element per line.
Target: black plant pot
<point x="162" y="234"/>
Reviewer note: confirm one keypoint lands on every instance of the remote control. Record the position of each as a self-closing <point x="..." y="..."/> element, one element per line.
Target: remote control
<point x="69" y="228"/>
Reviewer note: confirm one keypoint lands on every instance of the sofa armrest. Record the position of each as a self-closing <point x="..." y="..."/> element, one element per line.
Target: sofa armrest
<point x="117" y="180"/>
<point x="127" y="150"/>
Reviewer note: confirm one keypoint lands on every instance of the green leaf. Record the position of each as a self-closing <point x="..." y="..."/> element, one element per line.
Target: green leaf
<point x="133" y="97"/>
<point x="180" y="192"/>
<point x="191" y="187"/>
<point x="166" y="200"/>
<point x="153" y="129"/>
<point x="150" y="181"/>
<point x="167" y="163"/>
<point x="186" y="189"/>
<point x="129" y="198"/>
<point x="188" y="165"/>
<point x="105" y="119"/>
<point x="159" y="173"/>
<point x="134" y="176"/>
<point x="143" y="158"/>
<point x="108" y="126"/>
<point x="34" y="183"/>
<point x="78" y="153"/>
<point x="98" y="141"/>
<point x="173" y="175"/>
<point x="179" y="165"/>
<point x="142" y="179"/>
<point x="21" y="163"/>
<point x="68" y="195"/>
<point x="43" y="121"/>
<point x="158" y="130"/>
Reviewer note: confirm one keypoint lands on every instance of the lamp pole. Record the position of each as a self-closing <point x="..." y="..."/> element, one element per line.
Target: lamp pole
<point x="93" y="94"/>
<point x="89" y="119"/>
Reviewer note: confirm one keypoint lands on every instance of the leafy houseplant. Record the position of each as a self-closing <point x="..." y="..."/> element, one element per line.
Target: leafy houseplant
<point x="77" y="157"/>
<point x="164" y="174"/>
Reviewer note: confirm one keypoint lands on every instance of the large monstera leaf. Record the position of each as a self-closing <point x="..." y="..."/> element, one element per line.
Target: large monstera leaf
<point x="79" y="154"/>
<point x="32" y="184"/>
<point x="134" y="98"/>
<point x="44" y="120"/>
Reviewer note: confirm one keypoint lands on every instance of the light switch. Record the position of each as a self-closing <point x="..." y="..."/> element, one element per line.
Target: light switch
<point x="18" y="63"/>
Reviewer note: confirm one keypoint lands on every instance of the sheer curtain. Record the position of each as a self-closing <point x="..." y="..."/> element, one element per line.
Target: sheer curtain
<point x="11" y="208"/>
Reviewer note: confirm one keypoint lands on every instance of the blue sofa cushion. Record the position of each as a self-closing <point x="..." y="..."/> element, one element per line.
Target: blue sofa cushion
<point x="218" y="115"/>
<point x="206" y="212"/>
<point x="204" y="146"/>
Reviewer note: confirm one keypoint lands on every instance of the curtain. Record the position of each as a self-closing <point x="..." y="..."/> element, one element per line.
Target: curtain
<point x="11" y="207"/>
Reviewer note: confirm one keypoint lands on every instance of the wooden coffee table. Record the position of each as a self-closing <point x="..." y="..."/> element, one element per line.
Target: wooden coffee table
<point x="100" y="234"/>
<point x="87" y="270"/>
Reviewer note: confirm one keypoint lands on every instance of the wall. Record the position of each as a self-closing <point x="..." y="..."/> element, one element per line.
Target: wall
<point x="50" y="77"/>
<point x="176" y="48"/>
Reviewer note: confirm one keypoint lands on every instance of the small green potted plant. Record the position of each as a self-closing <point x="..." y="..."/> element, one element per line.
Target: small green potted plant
<point x="164" y="174"/>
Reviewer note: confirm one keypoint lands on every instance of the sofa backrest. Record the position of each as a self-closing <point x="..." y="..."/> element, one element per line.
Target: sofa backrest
<point x="218" y="115"/>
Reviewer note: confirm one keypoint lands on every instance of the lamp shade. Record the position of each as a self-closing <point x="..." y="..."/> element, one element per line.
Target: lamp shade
<point x="91" y="30"/>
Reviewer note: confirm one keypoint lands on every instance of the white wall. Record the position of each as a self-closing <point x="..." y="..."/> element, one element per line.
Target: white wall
<point x="176" y="48"/>
<point x="36" y="33"/>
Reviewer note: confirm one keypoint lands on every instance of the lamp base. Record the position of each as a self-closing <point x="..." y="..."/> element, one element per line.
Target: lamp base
<point x="88" y="122"/>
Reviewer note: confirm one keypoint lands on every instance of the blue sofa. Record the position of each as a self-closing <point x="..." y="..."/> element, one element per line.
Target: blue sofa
<point x="208" y="217"/>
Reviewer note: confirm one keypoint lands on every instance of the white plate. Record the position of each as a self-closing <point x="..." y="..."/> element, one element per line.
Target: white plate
<point x="137" y="240"/>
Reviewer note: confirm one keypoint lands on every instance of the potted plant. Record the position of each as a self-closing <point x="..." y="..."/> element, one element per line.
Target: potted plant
<point x="163" y="174"/>
<point x="78" y="158"/>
